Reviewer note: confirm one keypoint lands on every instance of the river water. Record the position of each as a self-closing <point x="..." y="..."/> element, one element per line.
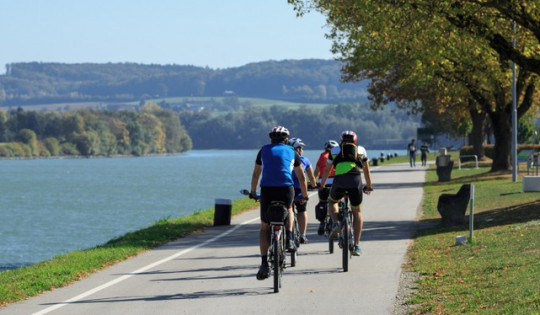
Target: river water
<point x="50" y="207"/>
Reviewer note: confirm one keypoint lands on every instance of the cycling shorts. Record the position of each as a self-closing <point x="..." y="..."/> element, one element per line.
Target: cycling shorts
<point x="269" y="194"/>
<point x="352" y="183"/>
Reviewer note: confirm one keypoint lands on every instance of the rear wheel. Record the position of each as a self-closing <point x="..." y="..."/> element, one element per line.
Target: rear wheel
<point x="345" y="232"/>
<point x="327" y="228"/>
<point x="277" y="261"/>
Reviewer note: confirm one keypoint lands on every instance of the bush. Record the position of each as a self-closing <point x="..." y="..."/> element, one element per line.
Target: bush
<point x="69" y="148"/>
<point x="53" y="146"/>
<point x="4" y="152"/>
<point x="43" y="152"/>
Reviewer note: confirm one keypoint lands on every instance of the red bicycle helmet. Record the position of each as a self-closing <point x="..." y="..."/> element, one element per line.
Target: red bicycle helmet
<point x="349" y="135"/>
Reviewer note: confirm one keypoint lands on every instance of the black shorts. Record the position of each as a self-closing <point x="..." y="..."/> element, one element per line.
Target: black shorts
<point x="352" y="183"/>
<point x="299" y="207"/>
<point x="269" y="194"/>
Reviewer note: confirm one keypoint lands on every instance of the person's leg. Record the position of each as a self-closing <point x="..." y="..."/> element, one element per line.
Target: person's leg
<point x="290" y="222"/>
<point x="264" y="238"/>
<point x="302" y="222"/>
<point x="264" y="244"/>
<point x="333" y="212"/>
<point x="358" y="224"/>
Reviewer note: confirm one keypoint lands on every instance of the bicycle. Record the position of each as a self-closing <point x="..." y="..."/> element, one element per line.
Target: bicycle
<point x="346" y="236"/>
<point x="278" y="213"/>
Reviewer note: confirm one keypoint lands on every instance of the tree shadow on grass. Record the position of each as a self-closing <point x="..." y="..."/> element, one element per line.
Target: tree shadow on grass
<point x="498" y="217"/>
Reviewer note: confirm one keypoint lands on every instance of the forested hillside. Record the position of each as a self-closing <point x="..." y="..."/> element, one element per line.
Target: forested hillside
<point x="307" y="81"/>
<point x="144" y="109"/>
<point x="248" y="128"/>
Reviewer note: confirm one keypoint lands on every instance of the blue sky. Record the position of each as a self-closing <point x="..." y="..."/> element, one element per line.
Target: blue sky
<point x="213" y="33"/>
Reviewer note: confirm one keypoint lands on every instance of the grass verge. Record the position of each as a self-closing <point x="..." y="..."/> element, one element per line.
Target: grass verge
<point x="25" y="282"/>
<point x="498" y="272"/>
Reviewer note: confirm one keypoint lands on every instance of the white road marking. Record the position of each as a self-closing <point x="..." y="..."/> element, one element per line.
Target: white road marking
<point x="141" y="270"/>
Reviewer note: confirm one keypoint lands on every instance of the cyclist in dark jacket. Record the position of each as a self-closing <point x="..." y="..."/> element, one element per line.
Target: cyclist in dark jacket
<point x="275" y="162"/>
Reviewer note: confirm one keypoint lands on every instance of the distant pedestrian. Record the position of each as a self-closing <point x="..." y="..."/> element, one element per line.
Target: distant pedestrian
<point x="424" y="150"/>
<point x="411" y="147"/>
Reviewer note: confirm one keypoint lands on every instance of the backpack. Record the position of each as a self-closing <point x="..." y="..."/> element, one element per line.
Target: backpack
<point x="348" y="153"/>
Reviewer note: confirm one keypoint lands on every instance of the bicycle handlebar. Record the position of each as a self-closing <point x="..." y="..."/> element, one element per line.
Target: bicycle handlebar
<point x="257" y="196"/>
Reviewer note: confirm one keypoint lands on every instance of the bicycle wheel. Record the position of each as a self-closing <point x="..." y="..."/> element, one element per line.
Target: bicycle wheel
<point x="296" y="232"/>
<point x="296" y="236"/>
<point x="293" y="258"/>
<point x="351" y="235"/>
<point x="345" y="232"/>
<point x="327" y="228"/>
<point x="278" y="249"/>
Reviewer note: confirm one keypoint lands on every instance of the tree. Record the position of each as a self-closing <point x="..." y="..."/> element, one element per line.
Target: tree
<point x="29" y="138"/>
<point x="413" y="50"/>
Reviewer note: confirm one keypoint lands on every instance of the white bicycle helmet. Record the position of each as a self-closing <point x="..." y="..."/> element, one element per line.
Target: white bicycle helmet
<point x="297" y="143"/>
<point x="279" y="133"/>
<point x="328" y="145"/>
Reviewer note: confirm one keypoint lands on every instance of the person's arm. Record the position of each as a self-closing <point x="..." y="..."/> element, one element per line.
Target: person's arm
<point x="257" y="170"/>
<point x="311" y="177"/>
<point x="316" y="172"/>
<point x="327" y="171"/>
<point x="367" y="176"/>
<point x="302" y="180"/>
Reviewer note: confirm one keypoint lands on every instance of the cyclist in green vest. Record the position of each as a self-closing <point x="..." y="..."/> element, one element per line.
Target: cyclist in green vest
<point x="348" y="159"/>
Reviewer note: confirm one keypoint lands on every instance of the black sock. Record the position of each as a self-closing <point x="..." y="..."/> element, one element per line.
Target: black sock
<point x="264" y="260"/>
<point x="290" y="235"/>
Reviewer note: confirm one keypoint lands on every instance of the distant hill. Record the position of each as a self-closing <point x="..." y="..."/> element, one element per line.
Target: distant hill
<point x="307" y="81"/>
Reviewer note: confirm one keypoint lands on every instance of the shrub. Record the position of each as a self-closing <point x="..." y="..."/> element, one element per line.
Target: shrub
<point x="53" y="146"/>
<point x="69" y="148"/>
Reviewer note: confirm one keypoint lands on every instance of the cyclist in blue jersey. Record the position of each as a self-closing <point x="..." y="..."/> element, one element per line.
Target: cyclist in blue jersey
<point x="348" y="159"/>
<point x="298" y="146"/>
<point x="275" y="162"/>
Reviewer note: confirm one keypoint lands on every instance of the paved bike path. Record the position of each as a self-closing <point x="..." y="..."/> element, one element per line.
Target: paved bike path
<point x="214" y="271"/>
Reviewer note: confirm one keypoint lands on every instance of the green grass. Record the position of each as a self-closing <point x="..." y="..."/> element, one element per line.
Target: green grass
<point x="498" y="272"/>
<point x="25" y="282"/>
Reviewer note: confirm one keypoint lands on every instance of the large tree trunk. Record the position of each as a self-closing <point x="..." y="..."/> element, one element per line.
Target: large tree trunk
<point x="476" y="137"/>
<point x="502" y="130"/>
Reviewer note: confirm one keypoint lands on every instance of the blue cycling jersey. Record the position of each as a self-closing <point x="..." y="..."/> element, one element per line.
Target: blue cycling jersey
<point x="305" y="165"/>
<point x="277" y="161"/>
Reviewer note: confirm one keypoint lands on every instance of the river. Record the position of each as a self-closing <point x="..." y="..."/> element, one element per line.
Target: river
<point x="50" y="207"/>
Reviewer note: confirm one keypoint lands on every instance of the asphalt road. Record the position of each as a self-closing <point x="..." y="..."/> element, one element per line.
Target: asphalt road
<point x="214" y="272"/>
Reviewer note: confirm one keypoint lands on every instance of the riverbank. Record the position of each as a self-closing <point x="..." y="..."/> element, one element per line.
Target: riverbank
<point x="25" y="282"/>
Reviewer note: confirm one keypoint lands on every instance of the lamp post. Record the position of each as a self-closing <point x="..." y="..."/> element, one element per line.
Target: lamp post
<point x="514" y="114"/>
